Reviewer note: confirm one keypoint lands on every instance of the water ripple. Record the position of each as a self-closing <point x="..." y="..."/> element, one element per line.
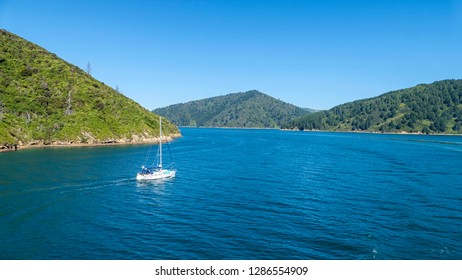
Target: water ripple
<point x="239" y="194"/>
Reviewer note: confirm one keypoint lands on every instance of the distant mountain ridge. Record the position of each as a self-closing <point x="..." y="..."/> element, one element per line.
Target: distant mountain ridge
<point x="425" y="108"/>
<point x="243" y="109"/>
<point x="46" y="100"/>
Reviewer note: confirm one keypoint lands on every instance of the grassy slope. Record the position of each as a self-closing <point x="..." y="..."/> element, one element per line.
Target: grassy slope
<point x="35" y="87"/>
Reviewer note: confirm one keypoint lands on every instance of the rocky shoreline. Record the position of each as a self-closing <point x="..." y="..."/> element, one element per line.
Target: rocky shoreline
<point x="91" y="143"/>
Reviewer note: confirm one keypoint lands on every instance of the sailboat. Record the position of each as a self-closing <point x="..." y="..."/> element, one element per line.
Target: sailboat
<point x="157" y="171"/>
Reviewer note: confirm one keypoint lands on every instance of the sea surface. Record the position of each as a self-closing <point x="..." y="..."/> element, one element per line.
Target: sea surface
<point x="238" y="194"/>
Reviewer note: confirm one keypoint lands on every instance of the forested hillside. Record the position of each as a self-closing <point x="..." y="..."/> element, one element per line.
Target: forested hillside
<point x="245" y="109"/>
<point x="425" y="108"/>
<point x="45" y="100"/>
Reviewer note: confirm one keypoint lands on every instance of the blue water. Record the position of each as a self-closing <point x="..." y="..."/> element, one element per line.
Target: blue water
<point x="238" y="194"/>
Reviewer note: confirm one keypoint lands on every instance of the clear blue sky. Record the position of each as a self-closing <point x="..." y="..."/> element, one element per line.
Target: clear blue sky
<point x="314" y="54"/>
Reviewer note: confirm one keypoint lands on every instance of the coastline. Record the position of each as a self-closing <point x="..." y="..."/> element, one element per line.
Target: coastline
<point x="335" y="131"/>
<point x="63" y="144"/>
<point x="377" y="132"/>
<point x="154" y="140"/>
<point x="233" y="127"/>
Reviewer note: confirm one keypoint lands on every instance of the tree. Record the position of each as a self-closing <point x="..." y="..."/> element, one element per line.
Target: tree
<point x="440" y="125"/>
<point x="456" y="127"/>
<point x="89" y="68"/>
<point x="69" y="101"/>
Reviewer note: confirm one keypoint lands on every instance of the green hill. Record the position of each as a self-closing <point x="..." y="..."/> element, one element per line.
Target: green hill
<point x="45" y="100"/>
<point x="244" y="109"/>
<point x="425" y="108"/>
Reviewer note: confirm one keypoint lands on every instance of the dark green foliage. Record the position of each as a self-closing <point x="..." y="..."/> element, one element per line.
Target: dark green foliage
<point x="426" y="108"/>
<point x="44" y="99"/>
<point x="247" y="109"/>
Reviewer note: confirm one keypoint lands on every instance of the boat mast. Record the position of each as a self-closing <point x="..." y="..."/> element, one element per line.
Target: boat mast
<point x="160" y="141"/>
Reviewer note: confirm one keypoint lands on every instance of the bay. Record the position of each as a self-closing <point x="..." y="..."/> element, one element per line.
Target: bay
<point x="238" y="194"/>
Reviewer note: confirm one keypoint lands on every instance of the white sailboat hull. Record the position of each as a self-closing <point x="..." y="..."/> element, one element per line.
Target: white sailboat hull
<point x="157" y="172"/>
<point x="157" y="175"/>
